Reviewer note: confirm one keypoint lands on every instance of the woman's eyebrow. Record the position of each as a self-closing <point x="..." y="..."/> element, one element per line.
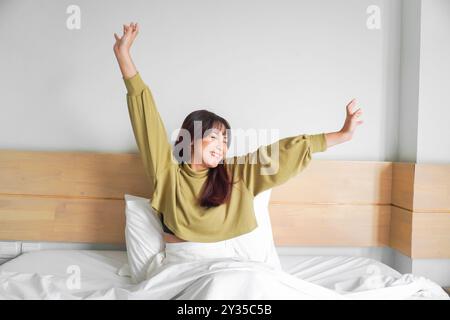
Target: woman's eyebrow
<point x="217" y="131"/>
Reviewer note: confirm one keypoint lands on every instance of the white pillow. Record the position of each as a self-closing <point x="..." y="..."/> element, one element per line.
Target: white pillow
<point x="258" y="245"/>
<point x="144" y="236"/>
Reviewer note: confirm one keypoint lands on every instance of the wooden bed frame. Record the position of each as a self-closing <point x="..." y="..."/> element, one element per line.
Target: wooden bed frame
<point x="79" y="197"/>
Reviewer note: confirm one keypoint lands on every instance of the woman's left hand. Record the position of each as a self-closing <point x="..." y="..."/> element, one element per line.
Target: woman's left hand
<point x="352" y="120"/>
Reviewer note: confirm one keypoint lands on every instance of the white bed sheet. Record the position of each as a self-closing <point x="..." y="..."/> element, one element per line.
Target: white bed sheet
<point x="99" y="270"/>
<point x="341" y="273"/>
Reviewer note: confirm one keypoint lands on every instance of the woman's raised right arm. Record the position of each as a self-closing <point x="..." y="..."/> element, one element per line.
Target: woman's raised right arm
<point x="148" y="127"/>
<point x="122" y="48"/>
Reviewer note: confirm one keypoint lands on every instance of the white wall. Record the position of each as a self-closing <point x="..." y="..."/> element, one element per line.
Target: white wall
<point x="433" y="140"/>
<point x="409" y="81"/>
<point x="425" y="81"/>
<point x="287" y="65"/>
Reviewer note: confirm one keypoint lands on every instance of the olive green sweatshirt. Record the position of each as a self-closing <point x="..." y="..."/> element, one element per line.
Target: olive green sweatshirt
<point x="176" y="186"/>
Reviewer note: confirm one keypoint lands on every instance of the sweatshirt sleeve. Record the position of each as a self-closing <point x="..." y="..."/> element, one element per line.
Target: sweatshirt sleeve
<point x="273" y="164"/>
<point x="149" y="131"/>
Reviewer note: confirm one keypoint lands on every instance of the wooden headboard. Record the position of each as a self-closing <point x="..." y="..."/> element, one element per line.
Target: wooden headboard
<point x="79" y="197"/>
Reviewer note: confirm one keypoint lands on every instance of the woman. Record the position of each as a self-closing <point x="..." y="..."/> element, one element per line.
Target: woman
<point x="206" y="197"/>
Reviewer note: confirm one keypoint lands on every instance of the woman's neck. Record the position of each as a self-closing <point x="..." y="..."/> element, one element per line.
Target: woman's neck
<point x="197" y="167"/>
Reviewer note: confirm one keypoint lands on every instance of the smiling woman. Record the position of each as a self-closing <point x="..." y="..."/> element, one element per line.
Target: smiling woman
<point x="203" y="195"/>
<point x="195" y="207"/>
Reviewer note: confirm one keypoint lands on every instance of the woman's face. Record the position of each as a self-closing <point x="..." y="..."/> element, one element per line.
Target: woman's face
<point x="210" y="150"/>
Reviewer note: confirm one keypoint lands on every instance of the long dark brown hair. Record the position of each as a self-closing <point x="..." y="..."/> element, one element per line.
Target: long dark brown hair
<point x="218" y="185"/>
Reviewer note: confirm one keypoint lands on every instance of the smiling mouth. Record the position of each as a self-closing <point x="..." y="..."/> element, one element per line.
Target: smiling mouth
<point x="215" y="155"/>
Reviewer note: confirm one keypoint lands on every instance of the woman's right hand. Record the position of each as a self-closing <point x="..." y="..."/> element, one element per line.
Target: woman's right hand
<point x="124" y="43"/>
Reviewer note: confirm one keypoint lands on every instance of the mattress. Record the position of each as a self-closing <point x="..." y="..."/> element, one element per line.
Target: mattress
<point x="99" y="270"/>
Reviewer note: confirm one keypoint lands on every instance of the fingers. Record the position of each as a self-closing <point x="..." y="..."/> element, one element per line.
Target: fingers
<point x="350" y="106"/>
<point x="134" y="28"/>
<point x="129" y="34"/>
<point x="131" y="29"/>
<point x="128" y="28"/>
<point x="356" y="115"/>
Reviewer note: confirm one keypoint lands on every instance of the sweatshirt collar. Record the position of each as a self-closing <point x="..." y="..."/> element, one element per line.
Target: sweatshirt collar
<point x="194" y="173"/>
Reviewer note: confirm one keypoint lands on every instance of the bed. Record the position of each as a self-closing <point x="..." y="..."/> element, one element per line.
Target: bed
<point x="46" y="274"/>
<point x="79" y="197"/>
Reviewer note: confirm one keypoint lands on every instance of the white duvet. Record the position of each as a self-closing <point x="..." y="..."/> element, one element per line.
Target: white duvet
<point x="219" y="278"/>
